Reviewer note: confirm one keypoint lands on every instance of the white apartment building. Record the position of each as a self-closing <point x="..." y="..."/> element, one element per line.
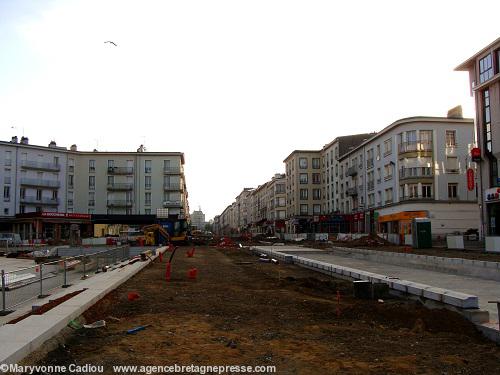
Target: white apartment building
<point x="55" y="180"/>
<point x="415" y="167"/>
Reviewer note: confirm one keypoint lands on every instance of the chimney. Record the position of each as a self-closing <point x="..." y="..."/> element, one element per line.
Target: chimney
<point x="14" y="139"/>
<point x="25" y="140"/>
<point x="455" y="112"/>
<point x="52" y="144"/>
<point x="73" y="147"/>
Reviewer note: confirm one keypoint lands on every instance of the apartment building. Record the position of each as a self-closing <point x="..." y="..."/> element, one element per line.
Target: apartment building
<point x="415" y="167"/>
<point x="42" y="182"/>
<point x="244" y="208"/>
<point x="303" y="188"/>
<point x="198" y="219"/>
<point x="484" y="79"/>
<point x="276" y="202"/>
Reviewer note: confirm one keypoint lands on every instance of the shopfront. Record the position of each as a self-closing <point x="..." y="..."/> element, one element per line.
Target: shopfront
<point x="399" y="223"/>
<point x="492" y="201"/>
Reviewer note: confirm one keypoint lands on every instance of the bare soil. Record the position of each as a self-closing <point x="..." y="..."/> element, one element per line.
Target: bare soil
<point x="240" y="311"/>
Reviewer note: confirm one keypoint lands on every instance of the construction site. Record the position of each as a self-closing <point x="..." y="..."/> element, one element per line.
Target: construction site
<point x="241" y="303"/>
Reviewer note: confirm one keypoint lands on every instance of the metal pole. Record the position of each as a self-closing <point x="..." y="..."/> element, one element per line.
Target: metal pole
<point x="65" y="284"/>
<point x="3" y="291"/>
<point x="84" y="268"/>
<point x="41" y="282"/>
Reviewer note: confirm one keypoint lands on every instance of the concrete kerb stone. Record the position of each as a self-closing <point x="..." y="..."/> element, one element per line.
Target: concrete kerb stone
<point x="40" y="328"/>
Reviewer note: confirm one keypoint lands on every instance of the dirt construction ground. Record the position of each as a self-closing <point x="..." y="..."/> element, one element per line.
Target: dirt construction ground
<point x="243" y="312"/>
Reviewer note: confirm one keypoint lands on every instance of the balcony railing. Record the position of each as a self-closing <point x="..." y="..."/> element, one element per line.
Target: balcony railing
<point x="121" y="186"/>
<point x="172" y="204"/>
<point x="369" y="163"/>
<point x="120" y="170"/>
<point x="39" y="182"/>
<point x="352" y="191"/>
<point x="119" y="203"/>
<point x="171" y="170"/>
<point x="41" y="201"/>
<point x="28" y="164"/>
<point x="415" y="172"/>
<point x="415" y="146"/>
<point x="417" y="198"/>
<point x="171" y="186"/>
<point x="352" y="171"/>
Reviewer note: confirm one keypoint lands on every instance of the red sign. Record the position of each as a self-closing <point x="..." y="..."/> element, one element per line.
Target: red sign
<point x="63" y="215"/>
<point x="470" y="179"/>
<point x="476" y="154"/>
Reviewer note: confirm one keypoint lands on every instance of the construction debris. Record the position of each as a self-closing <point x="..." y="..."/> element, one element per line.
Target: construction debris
<point x="96" y="324"/>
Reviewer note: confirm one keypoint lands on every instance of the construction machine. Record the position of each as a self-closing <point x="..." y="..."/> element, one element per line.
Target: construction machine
<point x="155" y="234"/>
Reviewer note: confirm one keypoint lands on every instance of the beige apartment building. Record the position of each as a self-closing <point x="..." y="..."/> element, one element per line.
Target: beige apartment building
<point x="484" y="78"/>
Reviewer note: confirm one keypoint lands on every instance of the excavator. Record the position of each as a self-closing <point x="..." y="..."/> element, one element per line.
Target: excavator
<point x="155" y="234"/>
<point x="167" y="231"/>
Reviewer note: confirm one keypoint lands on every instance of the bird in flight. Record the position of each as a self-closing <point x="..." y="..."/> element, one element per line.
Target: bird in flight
<point x="113" y="43"/>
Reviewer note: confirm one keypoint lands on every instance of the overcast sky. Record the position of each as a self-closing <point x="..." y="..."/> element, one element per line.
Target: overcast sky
<point x="235" y="85"/>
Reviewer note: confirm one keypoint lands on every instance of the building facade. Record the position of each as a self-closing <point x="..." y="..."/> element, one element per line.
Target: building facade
<point x="53" y="179"/>
<point x="198" y="219"/>
<point x="484" y="79"/>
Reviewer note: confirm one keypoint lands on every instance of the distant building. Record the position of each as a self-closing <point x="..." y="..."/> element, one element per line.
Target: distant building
<point x="198" y="219"/>
<point x="484" y="78"/>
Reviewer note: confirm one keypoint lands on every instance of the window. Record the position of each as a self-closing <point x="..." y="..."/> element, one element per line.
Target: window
<point x="388" y="195"/>
<point x="111" y="180"/>
<point x="388" y="172"/>
<point x="303" y="163"/>
<point x="70" y="198"/>
<point x="316" y="163"/>
<point x="411" y="136"/>
<point x="147" y="211"/>
<point x="91" y="166"/>
<point x="6" y="193"/>
<point x="280" y="188"/>
<point x="303" y="178"/>
<point x="487" y="120"/>
<point x="451" y="138"/>
<point x="426" y="191"/>
<point x="378" y="152"/>
<point x="111" y="164"/>
<point x="304" y="194"/>
<point x="92" y="199"/>
<point x="8" y="158"/>
<point x="39" y="194"/>
<point x="5" y="211"/>
<point x="91" y="182"/>
<point x="56" y="160"/>
<point x="316" y="178"/>
<point x="387" y="147"/>
<point x="316" y="194"/>
<point x="316" y="209"/>
<point x="22" y="193"/>
<point x="54" y="194"/>
<point x="452" y="191"/>
<point x="147" y="182"/>
<point x="147" y="199"/>
<point x="413" y="191"/>
<point x="90" y="211"/>
<point x="304" y="209"/>
<point x="451" y="164"/>
<point x="22" y="209"/>
<point x="371" y="200"/>
<point x="70" y="181"/>
<point x="485" y="68"/>
<point x="147" y="166"/>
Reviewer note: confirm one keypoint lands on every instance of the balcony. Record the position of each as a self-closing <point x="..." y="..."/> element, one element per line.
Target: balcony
<point x="371" y="185"/>
<point x="369" y="163"/>
<point x="53" y="184"/>
<point x="119" y="203"/>
<point x="171" y="170"/>
<point x="408" y="147"/>
<point x="351" y="171"/>
<point x="121" y="186"/>
<point x="415" y="173"/>
<point x="175" y="204"/>
<point x="120" y="170"/>
<point x="417" y="198"/>
<point x="352" y="191"/>
<point x="41" y="201"/>
<point x="41" y="166"/>
<point x="171" y="186"/>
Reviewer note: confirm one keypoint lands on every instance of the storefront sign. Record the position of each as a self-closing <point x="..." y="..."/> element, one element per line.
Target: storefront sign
<point x="476" y="154"/>
<point x="470" y="179"/>
<point x="61" y="215"/>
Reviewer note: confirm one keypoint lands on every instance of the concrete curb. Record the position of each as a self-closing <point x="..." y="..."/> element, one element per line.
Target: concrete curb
<point x="459" y="266"/>
<point x="20" y="339"/>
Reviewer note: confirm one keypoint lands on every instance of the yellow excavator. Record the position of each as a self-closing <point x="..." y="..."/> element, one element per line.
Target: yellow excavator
<point x="155" y="234"/>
